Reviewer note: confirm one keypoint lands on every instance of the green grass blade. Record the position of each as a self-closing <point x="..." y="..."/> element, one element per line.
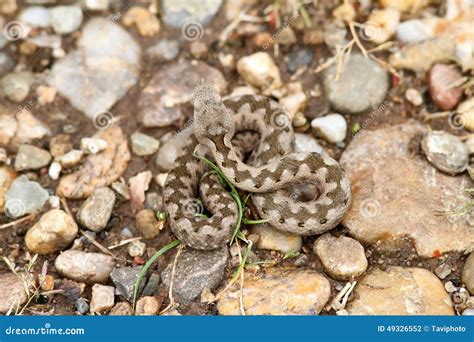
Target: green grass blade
<point x="148" y="264"/>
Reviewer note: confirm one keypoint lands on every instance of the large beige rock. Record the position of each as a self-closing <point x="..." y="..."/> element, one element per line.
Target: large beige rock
<point x="272" y="239"/>
<point x="53" y="232"/>
<point x="397" y="193"/>
<point x="100" y="169"/>
<point x="278" y="292"/>
<point x="400" y="291"/>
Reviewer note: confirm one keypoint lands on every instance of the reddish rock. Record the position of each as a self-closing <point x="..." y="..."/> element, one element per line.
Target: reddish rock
<point x="441" y="80"/>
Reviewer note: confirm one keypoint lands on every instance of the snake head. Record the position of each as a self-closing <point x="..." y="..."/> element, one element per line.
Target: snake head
<point x="211" y="117"/>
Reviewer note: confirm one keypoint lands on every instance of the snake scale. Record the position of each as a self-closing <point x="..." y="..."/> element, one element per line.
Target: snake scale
<point x="269" y="171"/>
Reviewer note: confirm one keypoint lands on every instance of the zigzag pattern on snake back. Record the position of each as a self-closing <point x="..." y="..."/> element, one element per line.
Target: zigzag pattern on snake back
<point x="270" y="173"/>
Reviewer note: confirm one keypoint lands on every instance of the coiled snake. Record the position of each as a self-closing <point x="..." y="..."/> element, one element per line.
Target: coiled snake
<point x="270" y="173"/>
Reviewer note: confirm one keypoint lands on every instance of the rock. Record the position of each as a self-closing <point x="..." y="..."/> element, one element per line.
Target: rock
<point x="295" y="101"/>
<point x="136" y="249"/>
<point x="26" y="129"/>
<point x="16" y="86"/>
<point x="24" y="197"/>
<point x="196" y="270"/>
<point x="146" y="23"/>
<point x="442" y="271"/>
<point x="172" y="149"/>
<point x="278" y="292"/>
<point x="98" y="170"/>
<point x="421" y="56"/>
<point x="465" y="117"/>
<point x="343" y="258"/>
<point x="12" y="292"/>
<point x="54" y="170"/>
<point x="160" y="101"/>
<point x="306" y="143"/>
<point x="66" y="19"/>
<point x="153" y="201"/>
<point x="275" y="240"/>
<point x="381" y="25"/>
<point x="121" y="189"/>
<point x="93" y="145"/>
<point x="70" y="159"/>
<point x="101" y="70"/>
<point x="335" y="34"/>
<point x="124" y="279"/>
<point x="299" y="58"/>
<point x="332" y="127"/>
<point x="413" y="31"/>
<point x="164" y="50"/>
<point x="84" y="267"/>
<point x="54" y="231"/>
<point x="7" y="176"/>
<point x="147" y="224"/>
<point x="102" y="298"/>
<point x="46" y="95"/>
<point x="470" y="145"/>
<point x="363" y="74"/>
<point x="144" y="145"/>
<point x="468" y="312"/>
<point x="414" y="97"/>
<point x="95" y="212"/>
<point x="138" y="185"/>
<point x="151" y="285"/>
<point x="35" y="16"/>
<point x="6" y="63"/>
<point x="179" y="13"/>
<point x="97" y="5"/>
<point x="468" y="274"/>
<point x="30" y="157"/>
<point x="121" y="309"/>
<point x="82" y="306"/>
<point x="198" y="49"/>
<point x="382" y="189"/>
<point x="147" y="306"/>
<point x="400" y="291"/>
<point x="446" y="152"/>
<point x="260" y="71"/>
<point x="442" y="77"/>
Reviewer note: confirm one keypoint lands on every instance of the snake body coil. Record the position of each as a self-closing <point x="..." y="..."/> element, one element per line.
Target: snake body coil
<point x="271" y="173"/>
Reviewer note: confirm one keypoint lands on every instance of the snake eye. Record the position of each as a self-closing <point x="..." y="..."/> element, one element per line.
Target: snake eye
<point x="328" y="180"/>
<point x="281" y="220"/>
<point x="323" y="221"/>
<point x="301" y="224"/>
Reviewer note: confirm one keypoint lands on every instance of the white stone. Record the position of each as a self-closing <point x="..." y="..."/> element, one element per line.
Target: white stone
<point x="93" y="145"/>
<point x="36" y="16"/>
<point x="70" y="159"/>
<point x="332" y="127"/>
<point x="260" y="71"/>
<point x="54" y="170"/>
<point x="66" y="19"/>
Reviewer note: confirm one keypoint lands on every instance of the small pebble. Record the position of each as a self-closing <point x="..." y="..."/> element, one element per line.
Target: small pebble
<point x="442" y="271"/>
<point x="84" y="267"/>
<point x="46" y="94"/>
<point x="260" y="71"/>
<point x="96" y="210"/>
<point x="121" y="189"/>
<point x="343" y="258"/>
<point x="164" y="50"/>
<point x="103" y="298"/>
<point x="121" y="309"/>
<point x="82" y="306"/>
<point x="442" y="77"/>
<point x="16" y="86"/>
<point x="6" y="63"/>
<point x="66" y="19"/>
<point x="124" y="279"/>
<point x="198" y="49"/>
<point x="147" y="306"/>
<point x="93" y="145"/>
<point x="332" y="127"/>
<point x="446" y="152"/>
<point x="70" y="159"/>
<point x="30" y="157"/>
<point x="381" y="25"/>
<point x="60" y="144"/>
<point x="468" y="274"/>
<point x="97" y="5"/>
<point x="24" y="197"/>
<point x="275" y="240"/>
<point x="136" y="248"/>
<point x="54" y="170"/>
<point x="414" y="97"/>
<point x="147" y="224"/>
<point x="36" y="16"/>
<point x="54" y="202"/>
<point x="144" y="145"/>
<point x="146" y="22"/>
<point x="54" y="231"/>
